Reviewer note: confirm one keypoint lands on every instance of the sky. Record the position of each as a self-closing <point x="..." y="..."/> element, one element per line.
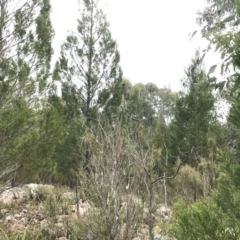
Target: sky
<point x="152" y="36"/>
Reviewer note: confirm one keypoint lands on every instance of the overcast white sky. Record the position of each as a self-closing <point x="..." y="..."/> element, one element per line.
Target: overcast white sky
<point x="152" y="36"/>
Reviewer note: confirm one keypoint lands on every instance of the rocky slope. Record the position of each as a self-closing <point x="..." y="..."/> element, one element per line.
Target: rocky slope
<point x="37" y="211"/>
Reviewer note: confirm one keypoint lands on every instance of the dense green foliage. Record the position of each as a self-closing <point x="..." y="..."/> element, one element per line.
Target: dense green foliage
<point x="194" y="114"/>
<point x="89" y="70"/>
<point x="121" y="141"/>
<point x="217" y="217"/>
<point x="29" y="126"/>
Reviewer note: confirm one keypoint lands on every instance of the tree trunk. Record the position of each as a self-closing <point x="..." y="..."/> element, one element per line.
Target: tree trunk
<point x="150" y="220"/>
<point x="165" y="190"/>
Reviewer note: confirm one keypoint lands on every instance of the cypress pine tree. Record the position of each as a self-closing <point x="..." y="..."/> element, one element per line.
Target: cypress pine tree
<point x="25" y="54"/>
<point x="90" y="63"/>
<point x="194" y="114"/>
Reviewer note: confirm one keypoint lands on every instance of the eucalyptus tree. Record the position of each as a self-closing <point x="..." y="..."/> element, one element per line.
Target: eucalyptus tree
<point x="220" y="21"/>
<point x="89" y="62"/>
<point x="147" y="102"/>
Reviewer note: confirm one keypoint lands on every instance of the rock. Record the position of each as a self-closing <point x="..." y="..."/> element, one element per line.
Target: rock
<point x="35" y="221"/>
<point x="10" y="219"/>
<point x="43" y="223"/>
<point x="40" y="207"/>
<point x="163" y="212"/>
<point x="158" y="237"/>
<point x="17" y="216"/>
<point x="144" y="231"/>
<point x="17" y="227"/>
<point x="73" y="208"/>
<point x="22" y="214"/>
<point x="39" y="216"/>
<point x="9" y="195"/>
<point x="27" y="206"/>
<point x="4" y="211"/>
<point x="83" y="207"/>
<point x="146" y="216"/>
<point x="34" y="188"/>
<point x="23" y="221"/>
<point x="24" y="211"/>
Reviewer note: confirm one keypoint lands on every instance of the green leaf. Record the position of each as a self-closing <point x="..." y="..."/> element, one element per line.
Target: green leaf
<point x="227" y="58"/>
<point x="228" y="84"/>
<point x="227" y="65"/>
<point x="213" y="79"/>
<point x="223" y="8"/>
<point x="236" y="23"/>
<point x="222" y="68"/>
<point x="212" y="69"/>
<point x="201" y="85"/>
<point x="217" y="47"/>
<point x="203" y="31"/>
<point x="220" y="85"/>
<point x="209" y="46"/>
<point x="203" y="56"/>
<point x="223" y="55"/>
<point x="193" y="34"/>
<point x="228" y="19"/>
